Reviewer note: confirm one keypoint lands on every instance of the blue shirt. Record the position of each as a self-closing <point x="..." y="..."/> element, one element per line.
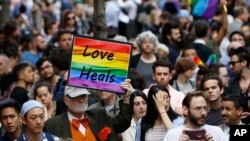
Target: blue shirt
<point x="58" y="92"/>
<point x="45" y="137"/>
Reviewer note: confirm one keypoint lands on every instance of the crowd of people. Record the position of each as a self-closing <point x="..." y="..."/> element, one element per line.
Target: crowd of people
<point x="187" y="73"/>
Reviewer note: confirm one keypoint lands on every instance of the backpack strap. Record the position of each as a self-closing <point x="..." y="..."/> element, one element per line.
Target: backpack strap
<point x="8" y="92"/>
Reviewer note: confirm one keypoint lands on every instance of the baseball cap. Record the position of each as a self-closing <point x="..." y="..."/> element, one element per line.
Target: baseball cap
<point x="75" y="91"/>
<point x="30" y="105"/>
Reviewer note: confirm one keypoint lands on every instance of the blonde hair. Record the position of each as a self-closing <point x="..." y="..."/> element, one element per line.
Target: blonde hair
<point x="162" y="47"/>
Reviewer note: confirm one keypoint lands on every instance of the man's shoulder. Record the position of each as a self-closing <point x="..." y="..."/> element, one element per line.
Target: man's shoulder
<point x="173" y="134"/>
<point x="199" y="46"/>
<point x="174" y="91"/>
<point x="57" y="118"/>
<point x="96" y="105"/>
<point x="212" y="128"/>
<point x="50" y="136"/>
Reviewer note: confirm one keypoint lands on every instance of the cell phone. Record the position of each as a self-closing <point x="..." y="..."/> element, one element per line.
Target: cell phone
<point x="195" y="134"/>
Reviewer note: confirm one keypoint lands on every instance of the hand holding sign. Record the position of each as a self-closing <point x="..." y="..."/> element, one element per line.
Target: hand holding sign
<point x="99" y="64"/>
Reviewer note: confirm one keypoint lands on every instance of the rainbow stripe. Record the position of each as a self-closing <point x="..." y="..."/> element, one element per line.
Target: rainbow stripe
<point x="203" y="8"/>
<point x="198" y="61"/>
<point x="103" y="67"/>
<point x="212" y="59"/>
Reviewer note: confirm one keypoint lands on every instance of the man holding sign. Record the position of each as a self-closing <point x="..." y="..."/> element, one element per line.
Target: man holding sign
<point x="79" y="123"/>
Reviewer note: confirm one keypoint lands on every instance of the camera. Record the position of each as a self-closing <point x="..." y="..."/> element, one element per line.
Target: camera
<point x="195" y="134"/>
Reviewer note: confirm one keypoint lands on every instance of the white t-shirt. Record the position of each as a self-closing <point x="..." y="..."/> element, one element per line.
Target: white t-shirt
<point x="175" y="133"/>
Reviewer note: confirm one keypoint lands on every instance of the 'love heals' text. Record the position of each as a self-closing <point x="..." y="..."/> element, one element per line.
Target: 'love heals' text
<point x="88" y="73"/>
<point x="96" y="53"/>
<point x="93" y="76"/>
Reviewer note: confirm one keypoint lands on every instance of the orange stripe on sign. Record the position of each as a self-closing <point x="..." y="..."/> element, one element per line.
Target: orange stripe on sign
<point x="103" y="45"/>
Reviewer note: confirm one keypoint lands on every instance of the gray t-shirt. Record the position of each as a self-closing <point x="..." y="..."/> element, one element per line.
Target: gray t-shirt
<point x="214" y="117"/>
<point x="145" y="69"/>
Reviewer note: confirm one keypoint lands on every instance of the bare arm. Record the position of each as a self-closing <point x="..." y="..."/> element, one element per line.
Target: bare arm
<point x="161" y="104"/>
<point x="223" y="30"/>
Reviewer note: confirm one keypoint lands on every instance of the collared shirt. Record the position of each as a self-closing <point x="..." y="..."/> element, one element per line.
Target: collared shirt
<point x="23" y="137"/>
<point x="200" y="41"/>
<point x="176" y="98"/>
<point x="81" y="128"/>
<point x="226" y="130"/>
<point x="129" y="134"/>
<point x="112" y="110"/>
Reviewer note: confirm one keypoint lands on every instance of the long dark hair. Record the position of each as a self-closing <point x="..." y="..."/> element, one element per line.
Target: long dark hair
<point x="135" y="94"/>
<point x="152" y="112"/>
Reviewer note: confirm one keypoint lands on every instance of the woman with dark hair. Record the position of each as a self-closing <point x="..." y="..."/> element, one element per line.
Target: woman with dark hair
<point x="43" y="94"/>
<point x="69" y="23"/>
<point x="137" y="80"/>
<point x="138" y="101"/>
<point x="159" y="117"/>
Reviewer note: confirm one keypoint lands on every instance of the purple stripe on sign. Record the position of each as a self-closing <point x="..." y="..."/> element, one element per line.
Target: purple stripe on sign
<point x="210" y="10"/>
<point x="96" y="84"/>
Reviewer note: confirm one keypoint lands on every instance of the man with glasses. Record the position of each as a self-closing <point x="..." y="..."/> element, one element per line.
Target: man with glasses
<point x="239" y="63"/>
<point x="46" y="72"/>
<point x="195" y="112"/>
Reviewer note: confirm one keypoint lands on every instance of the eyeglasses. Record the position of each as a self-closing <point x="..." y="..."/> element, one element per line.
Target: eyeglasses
<point x="71" y="18"/>
<point x="199" y="109"/>
<point x="233" y="62"/>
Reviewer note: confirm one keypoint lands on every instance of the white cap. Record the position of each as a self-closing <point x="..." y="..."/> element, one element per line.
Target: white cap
<point x="30" y="105"/>
<point x="75" y="91"/>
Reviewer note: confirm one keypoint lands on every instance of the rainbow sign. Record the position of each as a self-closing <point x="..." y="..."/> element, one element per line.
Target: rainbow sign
<point x="99" y="64"/>
<point x="203" y="8"/>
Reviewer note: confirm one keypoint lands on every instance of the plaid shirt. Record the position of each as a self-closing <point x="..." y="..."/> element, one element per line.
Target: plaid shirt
<point x="58" y="92"/>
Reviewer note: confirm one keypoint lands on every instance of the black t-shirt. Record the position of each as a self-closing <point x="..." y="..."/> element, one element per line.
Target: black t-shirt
<point x="20" y="95"/>
<point x="5" y="137"/>
<point x="6" y="81"/>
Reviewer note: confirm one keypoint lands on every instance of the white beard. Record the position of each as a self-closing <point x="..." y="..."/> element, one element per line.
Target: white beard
<point x="79" y="108"/>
